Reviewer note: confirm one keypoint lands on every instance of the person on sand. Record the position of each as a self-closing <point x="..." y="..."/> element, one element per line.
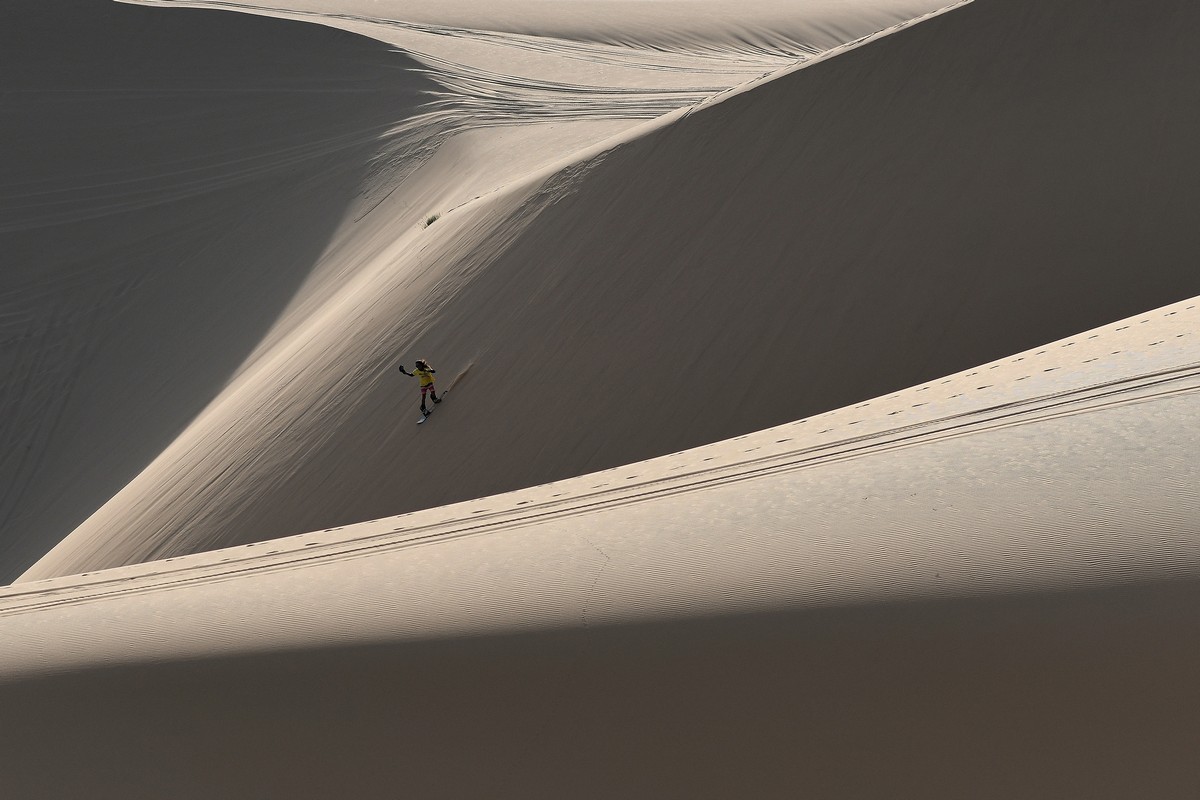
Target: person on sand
<point x="425" y="373"/>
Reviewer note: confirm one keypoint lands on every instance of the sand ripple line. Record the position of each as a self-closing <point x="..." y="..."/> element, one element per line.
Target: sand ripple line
<point x="626" y="80"/>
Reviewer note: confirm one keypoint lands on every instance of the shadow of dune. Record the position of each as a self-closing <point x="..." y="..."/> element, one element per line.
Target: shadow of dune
<point x="169" y="180"/>
<point x="1084" y="695"/>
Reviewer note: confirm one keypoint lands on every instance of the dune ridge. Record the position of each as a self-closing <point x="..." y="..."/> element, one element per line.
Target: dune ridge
<point x="157" y="213"/>
<point x="919" y="156"/>
<point x="374" y="237"/>
<point x="829" y="435"/>
<point x="1025" y="557"/>
<point x="1133" y="496"/>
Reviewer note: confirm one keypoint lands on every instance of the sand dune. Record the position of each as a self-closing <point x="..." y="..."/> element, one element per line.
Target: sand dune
<point x="171" y="185"/>
<point x="820" y="384"/>
<point x="225" y="258"/>
<point x="974" y="570"/>
<point x="1052" y="469"/>
<point x="156" y="215"/>
<point x="897" y="212"/>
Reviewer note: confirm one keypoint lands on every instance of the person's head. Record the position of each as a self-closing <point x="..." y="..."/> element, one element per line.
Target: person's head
<point x="421" y="364"/>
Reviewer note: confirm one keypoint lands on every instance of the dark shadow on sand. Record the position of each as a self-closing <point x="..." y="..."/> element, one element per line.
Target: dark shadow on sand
<point x="169" y="178"/>
<point x="1083" y="695"/>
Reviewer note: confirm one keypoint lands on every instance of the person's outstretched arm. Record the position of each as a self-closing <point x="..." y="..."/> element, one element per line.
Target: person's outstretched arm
<point x="406" y="372"/>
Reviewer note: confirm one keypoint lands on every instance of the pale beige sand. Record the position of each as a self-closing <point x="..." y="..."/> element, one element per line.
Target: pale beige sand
<point x="1052" y="469"/>
<point x="182" y="188"/>
<point x="995" y="567"/>
<point x="233" y="219"/>
<point x="927" y="579"/>
<point x="926" y="202"/>
<point x="157" y="212"/>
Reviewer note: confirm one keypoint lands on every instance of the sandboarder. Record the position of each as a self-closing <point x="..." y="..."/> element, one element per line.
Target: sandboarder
<point x="425" y="373"/>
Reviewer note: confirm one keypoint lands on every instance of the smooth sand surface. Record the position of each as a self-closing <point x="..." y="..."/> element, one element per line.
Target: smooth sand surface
<point x="980" y="585"/>
<point x="821" y="379"/>
<point x="1051" y="469"/>
<point x="908" y="208"/>
<point x="209" y="216"/>
<point x="156" y="215"/>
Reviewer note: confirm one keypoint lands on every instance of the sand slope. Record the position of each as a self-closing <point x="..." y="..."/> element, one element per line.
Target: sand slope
<point x="969" y="187"/>
<point x="996" y="567"/>
<point x="209" y="284"/>
<point x="963" y="563"/>
<point x="157" y="213"/>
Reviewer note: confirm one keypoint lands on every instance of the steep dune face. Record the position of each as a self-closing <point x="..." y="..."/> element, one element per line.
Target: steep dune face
<point x="970" y="187"/>
<point x="312" y="368"/>
<point x="168" y="181"/>
<point x="935" y="582"/>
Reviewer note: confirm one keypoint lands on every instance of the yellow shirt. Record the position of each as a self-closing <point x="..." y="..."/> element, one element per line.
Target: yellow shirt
<point x="425" y="375"/>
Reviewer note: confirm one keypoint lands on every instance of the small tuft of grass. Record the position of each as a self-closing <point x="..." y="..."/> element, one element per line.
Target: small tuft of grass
<point x="432" y="218"/>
